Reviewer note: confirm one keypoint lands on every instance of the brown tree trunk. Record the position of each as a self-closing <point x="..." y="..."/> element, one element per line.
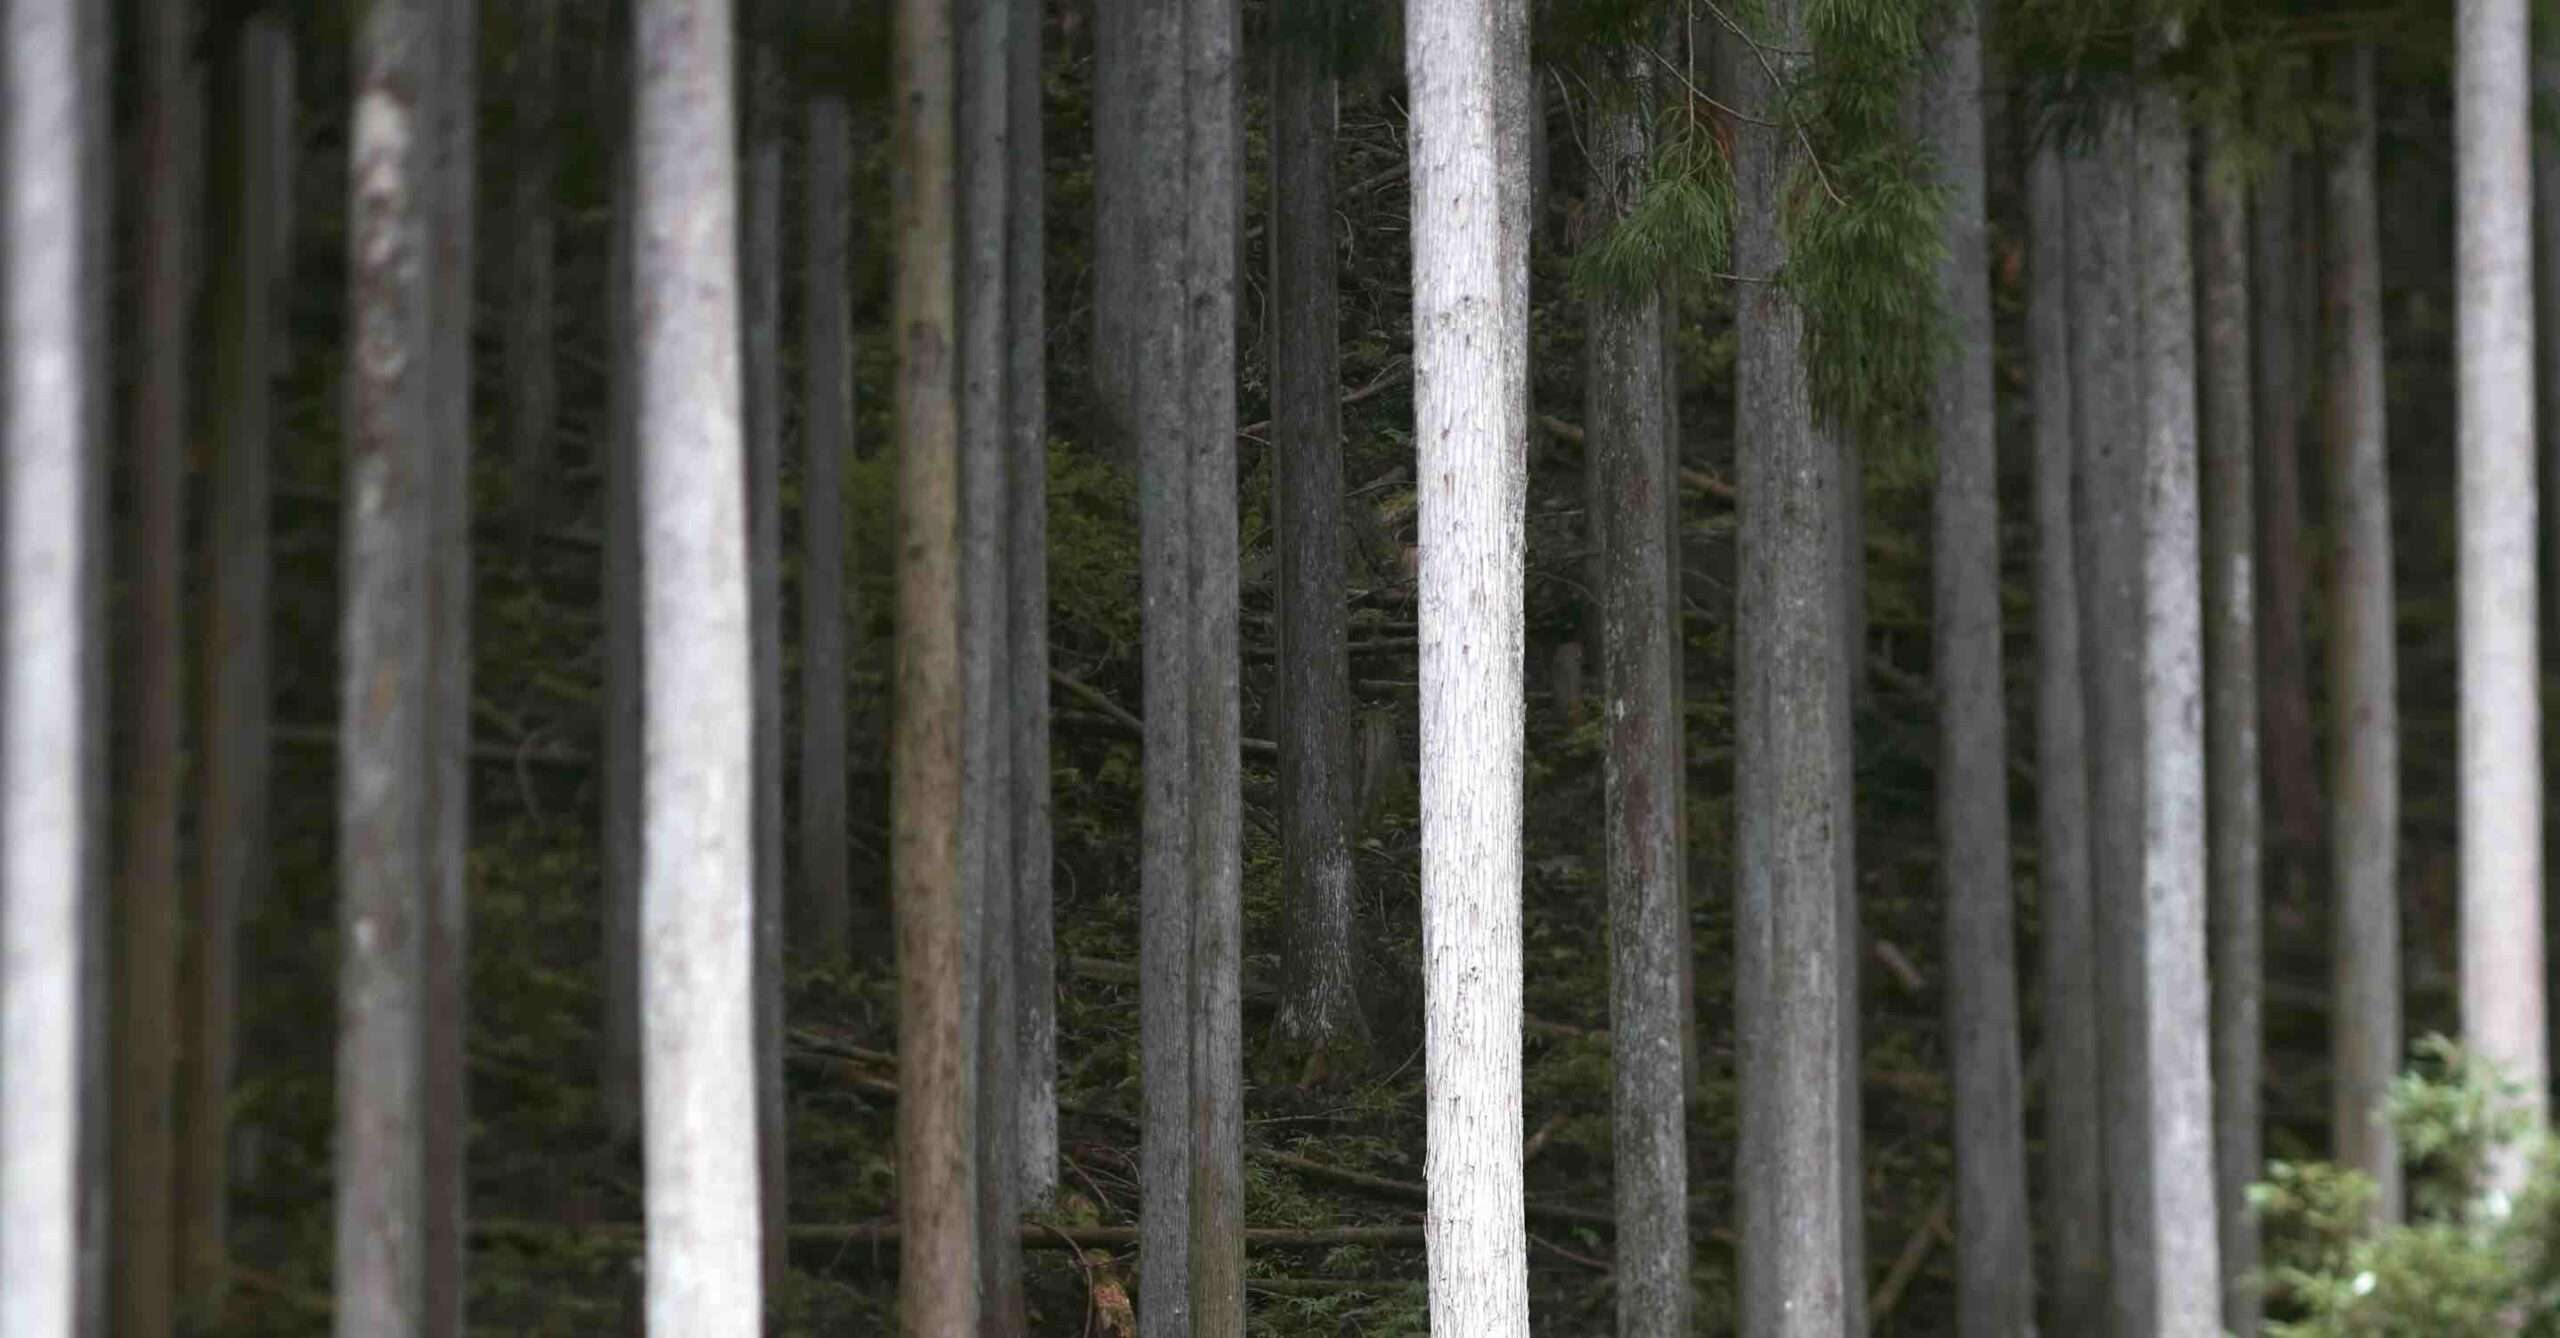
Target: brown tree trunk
<point x="826" y="428"/>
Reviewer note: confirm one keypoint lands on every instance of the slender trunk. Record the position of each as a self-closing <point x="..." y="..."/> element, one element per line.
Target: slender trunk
<point x="1027" y="610"/>
<point x="2282" y="374"/>
<point x="623" y="722"/>
<point x="2075" y="1215"/>
<point x="387" y="825"/>
<point x="1995" y="1282"/>
<point x="826" y="338"/>
<point x="146" y="891"/>
<point x="533" y="380"/>
<point x="2231" y="720"/>
<point x="50" y="922"/>
<point x="1685" y="951"/>
<point x="1159" y="334"/>
<point x="231" y="800"/>
<point x="2106" y="500"/>
<point x="2503" y="1007"/>
<point x="1848" y="585"/>
<point x="760" y="304"/>
<point x="1624" y="413"/>
<point x="1792" y="688"/>
<point x="2546" y="288"/>
<point x="1123" y="209"/>
<point x="2363" y="677"/>
<point x="1466" y="64"/>
<point x="698" y="955"/>
<point x="1320" y="1003"/>
<point x="2178" y="994"/>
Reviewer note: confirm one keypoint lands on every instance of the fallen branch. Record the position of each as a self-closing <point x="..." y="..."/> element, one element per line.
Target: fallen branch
<point x="1915" y="1254"/>
<point x="325" y="737"/>
<point x="1393" y="376"/>
<point x="1128" y="719"/>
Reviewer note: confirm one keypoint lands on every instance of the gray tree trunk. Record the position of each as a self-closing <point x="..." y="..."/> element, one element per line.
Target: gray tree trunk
<point x="697" y="969"/>
<point x="532" y="376"/>
<point x="624" y="748"/>
<point x="2231" y="720"/>
<point x="1624" y="418"/>
<point x="1995" y="1278"/>
<point x="937" y="1194"/>
<point x="2178" y="994"/>
<point x="1791" y="689"/>
<point x="1158" y="331"/>
<point x="2075" y="1206"/>
<point x="2546" y="287"/>
<point x="1466" y="62"/>
<point x="152" y="688"/>
<point x="2364" y="1021"/>
<point x="2106" y="499"/>
<point x="1123" y="207"/>
<point x="2284" y="367"/>
<point x="53" y="235"/>
<point x="1212" y="228"/>
<point x="1027" y="608"/>
<point x="1320" y="1003"/>
<point x="388" y="761"/>
<point x="826" y="338"/>
<point x="2504" y="1014"/>
<point x="231" y="798"/>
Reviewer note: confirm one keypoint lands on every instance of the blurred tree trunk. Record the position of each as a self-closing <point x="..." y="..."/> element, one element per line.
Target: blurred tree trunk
<point x="1123" y="209"/>
<point x="2285" y="369"/>
<point x="624" y="748"/>
<point x="2363" y="677"/>
<point x="826" y="338"/>
<point x="533" y="379"/>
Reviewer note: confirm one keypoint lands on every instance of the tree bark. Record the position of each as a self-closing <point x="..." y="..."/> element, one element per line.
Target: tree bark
<point x="533" y="377"/>
<point x="2504" y="1015"/>
<point x="2363" y="675"/>
<point x="623" y="724"/>
<point x="1212" y="228"/>
<point x="231" y="800"/>
<point x="50" y="1027"/>
<point x="1791" y="690"/>
<point x="387" y="757"/>
<point x="2186" y="1250"/>
<point x="2075" y="1209"/>
<point x="2231" y="720"/>
<point x="1123" y="207"/>
<point x="2546" y="302"/>
<point x="152" y="777"/>
<point x="1995" y="1281"/>
<point x="1466" y="63"/>
<point x="826" y="337"/>
<point x="2284" y="369"/>
<point x="698" y="968"/>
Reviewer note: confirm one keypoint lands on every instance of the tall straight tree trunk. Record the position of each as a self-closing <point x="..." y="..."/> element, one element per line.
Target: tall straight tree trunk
<point x="1995" y="1278"/>
<point x="937" y="1187"/>
<point x="697" y="967"/>
<point x="760" y="304"/>
<point x="986" y="828"/>
<point x="2231" y="719"/>
<point x="53" y="236"/>
<point x="2178" y="994"/>
<point x="826" y="428"/>
<point x="2106" y="516"/>
<point x="231" y="799"/>
<point x="1212" y="227"/>
<point x="147" y="900"/>
<point x="388" y="764"/>
<point x="1027" y="609"/>
<point x="1792" y="684"/>
<point x="2364" y="1027"/>
<point x="533" y="378"/>
<point x="1123" y="207"/>
<point x="1625" y="404"/>
<point x="2546" y="289"/>
<point x="447" y="1074"/>
<point x="2504" y="1015"/>
<point x="1849" y="632"/>
<point x="1159" y="334"/>
<point x="1467" y="66"/>
<point x="1320" y="1004"/>
<point x="2075" y="1206"/>
<point x="2283" y="369"/>
<point x="624" y="748"/>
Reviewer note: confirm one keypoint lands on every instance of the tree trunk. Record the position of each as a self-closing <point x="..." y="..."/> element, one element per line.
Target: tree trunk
<point x="388" y="767"/>
<point x="698" y="955"/>
<point x="2075" y="1208"/>
<point x="146" y="892"/>
<point x="55" y="127"/>
<point x="2284" y="686"/>
<point x="1466" y="63"/>
<point x="1158" y="335"/>
<point x="1027" y="595"/>
<point x="2363" y="677"/>
<point x="1995" y="1281"/>
<point x="2231" y="721"/>
<point x="826" y="337"/>
<point x="2107" y="498"/>
<point x="231" y="802"/>
<point x="624" y="749"/>
<point x="533" y="379"/>
<point x="1212" y="229"/>
<point x="2503" y="1008"/>
<point x="1124" y="186"/>
<point x="2546" y="304"/>
<point x="1791" y="688"/>
<point x="2178" y="998"/>
<point x="1320" y="1004"/>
